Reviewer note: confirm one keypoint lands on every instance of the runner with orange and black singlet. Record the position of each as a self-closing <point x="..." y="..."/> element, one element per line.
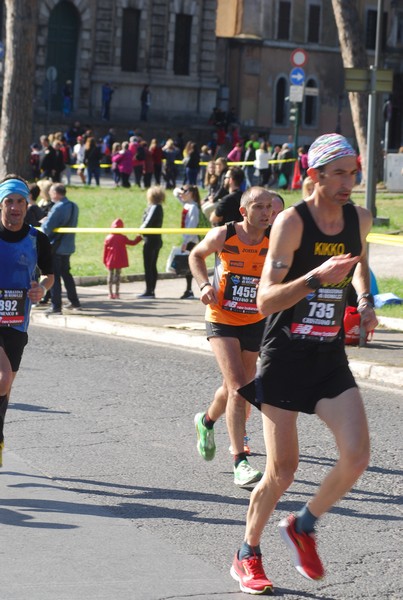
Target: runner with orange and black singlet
<point x="233" y="322"/>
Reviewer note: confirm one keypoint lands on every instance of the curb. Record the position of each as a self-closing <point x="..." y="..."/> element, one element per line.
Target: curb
<point x="157" y="335"/>
<point x="391" y="324"/>
<point x="187" y="339"/>
<point x="375" y="372"/>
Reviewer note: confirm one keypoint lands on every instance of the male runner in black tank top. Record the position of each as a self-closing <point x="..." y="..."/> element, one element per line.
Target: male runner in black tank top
<point x="317" y="248"/>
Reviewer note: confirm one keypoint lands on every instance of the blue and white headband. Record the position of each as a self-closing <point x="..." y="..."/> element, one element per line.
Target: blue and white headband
<point x="13" y="186"/>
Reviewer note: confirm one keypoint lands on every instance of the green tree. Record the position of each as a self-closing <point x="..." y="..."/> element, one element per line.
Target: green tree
<point x="18" y="86"/>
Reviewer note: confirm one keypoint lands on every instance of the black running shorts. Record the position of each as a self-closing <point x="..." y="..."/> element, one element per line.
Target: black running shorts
<point x="13" y="342"/>
<point x="299" y="381"/>
<point x="249" y="336"/>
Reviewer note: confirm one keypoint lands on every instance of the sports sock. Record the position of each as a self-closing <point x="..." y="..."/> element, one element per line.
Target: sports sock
<point x="247" y="551"/>
<point x="239" y="458"/>
<point x="207" y="422"/>
<point x="3" y="410"/>
<point x="306" y="521"/>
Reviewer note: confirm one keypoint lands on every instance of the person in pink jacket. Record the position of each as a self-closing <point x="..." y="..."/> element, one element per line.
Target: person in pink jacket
<point x="124" y="161"/>
<point x="116" y="258"/>
<point x="236" y="153"/>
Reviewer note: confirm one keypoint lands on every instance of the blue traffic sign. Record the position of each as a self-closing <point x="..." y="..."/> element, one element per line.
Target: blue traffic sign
<point x="297" y="76"/>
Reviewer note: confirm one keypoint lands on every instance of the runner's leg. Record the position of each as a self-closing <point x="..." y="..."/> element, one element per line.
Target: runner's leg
<point x="345" y="417"/>
<point x="231" y="362"/>
<point x="281" y="441"/>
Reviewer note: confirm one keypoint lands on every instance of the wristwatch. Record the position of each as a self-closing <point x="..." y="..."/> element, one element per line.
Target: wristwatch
<point x="312" y="282"/>
<point x="366" y="296"/>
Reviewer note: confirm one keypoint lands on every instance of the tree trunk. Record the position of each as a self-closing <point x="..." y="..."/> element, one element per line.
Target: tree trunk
<point x="354" y="55"/>
<point x="18" y="87"/>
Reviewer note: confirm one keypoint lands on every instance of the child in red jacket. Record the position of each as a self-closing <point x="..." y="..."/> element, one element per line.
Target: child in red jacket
<point x="115" y="257"/>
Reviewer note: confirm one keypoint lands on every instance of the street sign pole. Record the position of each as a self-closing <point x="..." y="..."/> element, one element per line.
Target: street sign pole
<point x="370" y="191"/>
<point x="295" y="116"/>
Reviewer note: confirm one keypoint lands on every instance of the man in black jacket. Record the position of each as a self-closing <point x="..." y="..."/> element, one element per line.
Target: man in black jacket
<point x="227" y="209"/>
<point x="47" y="159"/>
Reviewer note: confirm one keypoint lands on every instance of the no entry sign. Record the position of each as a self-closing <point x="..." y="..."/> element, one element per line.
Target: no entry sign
<point x="299" y="57"/>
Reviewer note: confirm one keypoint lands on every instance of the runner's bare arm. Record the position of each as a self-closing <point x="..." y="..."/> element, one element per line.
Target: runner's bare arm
<point x="213" y="242"/>
<point x="38" y="290"/>
<point x="361" y="278"/>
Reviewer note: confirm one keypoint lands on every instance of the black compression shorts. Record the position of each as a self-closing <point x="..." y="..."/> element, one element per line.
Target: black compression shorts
<point x="299" y="382"/>
<point x="249" y="336"/>
<point x="13" y="342"/>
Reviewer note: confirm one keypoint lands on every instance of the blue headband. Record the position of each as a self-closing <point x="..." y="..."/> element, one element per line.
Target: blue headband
<point x="13" y="186"/>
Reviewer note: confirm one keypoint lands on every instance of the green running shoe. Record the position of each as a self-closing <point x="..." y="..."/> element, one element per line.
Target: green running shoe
<point x="205" y="438"/>
<point x="1" y="453"/>
<point x="245" y="475"/>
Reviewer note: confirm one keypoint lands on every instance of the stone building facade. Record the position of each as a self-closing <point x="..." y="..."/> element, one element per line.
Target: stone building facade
<point x="168" y="44"/>
<point x="256" y="42"/>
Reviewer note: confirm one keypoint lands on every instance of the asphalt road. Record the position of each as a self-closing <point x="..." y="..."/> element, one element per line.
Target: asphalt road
<point x="112" y="421"/>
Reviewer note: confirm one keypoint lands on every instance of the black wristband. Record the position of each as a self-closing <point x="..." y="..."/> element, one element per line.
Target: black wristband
<point x="203" y="285"/>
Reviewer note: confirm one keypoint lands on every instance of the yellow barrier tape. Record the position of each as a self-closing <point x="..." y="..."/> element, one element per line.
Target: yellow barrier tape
<point x="242" y="162"/>
<point x="385" y="238"/>
<point x="373" y="238"/>
<point x="123" y="230"/>
<point x="77" y="166"/>
<point x="202" y="163"/>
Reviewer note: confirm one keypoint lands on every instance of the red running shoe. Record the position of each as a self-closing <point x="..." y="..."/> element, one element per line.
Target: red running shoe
<point x="303" y="549"/>
<point x="250" y="575"/>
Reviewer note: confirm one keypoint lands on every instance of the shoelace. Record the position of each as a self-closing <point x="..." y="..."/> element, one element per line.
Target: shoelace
<point x="255" y="567"/>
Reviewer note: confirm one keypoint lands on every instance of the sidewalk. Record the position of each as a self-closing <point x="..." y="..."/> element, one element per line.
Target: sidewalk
<point x="169" y="320"/>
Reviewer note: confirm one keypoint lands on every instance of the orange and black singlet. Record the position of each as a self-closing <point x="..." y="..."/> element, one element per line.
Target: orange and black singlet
<point x="237" y="272"/>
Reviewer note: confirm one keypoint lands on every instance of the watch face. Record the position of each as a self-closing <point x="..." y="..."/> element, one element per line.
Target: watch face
<point x="313" y="282"/>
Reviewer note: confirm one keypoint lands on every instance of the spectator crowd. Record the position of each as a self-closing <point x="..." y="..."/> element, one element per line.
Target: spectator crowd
<point x="142" y="163"/>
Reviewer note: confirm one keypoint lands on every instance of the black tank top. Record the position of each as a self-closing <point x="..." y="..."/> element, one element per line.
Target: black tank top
<point x="319" y="316"/>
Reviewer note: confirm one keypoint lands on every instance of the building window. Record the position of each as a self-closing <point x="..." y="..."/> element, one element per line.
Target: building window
<point x="130" y="39"/>
<point x="1" y="19"/>
<point x="284" y="20"/>
<point x="183" y="34"/>
<point x="310" y="105"/>
<point x="399" y="32"/>
<point x="280" y="114"/>
<point x="313" y="23"/>
<point x="370" y="30"/>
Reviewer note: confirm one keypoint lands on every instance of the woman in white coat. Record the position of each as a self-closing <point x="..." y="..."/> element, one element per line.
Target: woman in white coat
<point x="189" y="197"/>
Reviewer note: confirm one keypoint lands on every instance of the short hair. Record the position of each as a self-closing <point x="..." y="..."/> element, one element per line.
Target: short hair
<point x="155" y="194"/>
<point x="237" y="175"/>
<point x="34" y="191"/>
<point x="275" y="193"/>
<point x="59" y="188"/>
<point x="253" y="193"/>
<point x="14" y="176"/>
